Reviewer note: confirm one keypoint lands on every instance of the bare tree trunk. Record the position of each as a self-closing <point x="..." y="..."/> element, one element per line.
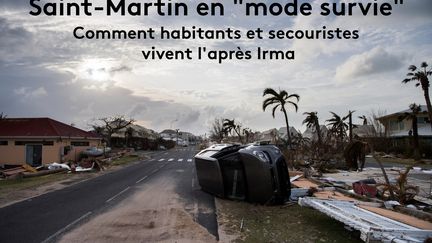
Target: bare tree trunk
<point x="416" y="144"/>
<point x="318" y="130"/>
<point x="288" y="128"/>
<point x="350" y="127"/>
<point x="428" y="104"/>
<point x="386" y="179"/>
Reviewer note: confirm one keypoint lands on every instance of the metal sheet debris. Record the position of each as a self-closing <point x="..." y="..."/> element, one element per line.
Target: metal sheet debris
<point x="372" y="227"/>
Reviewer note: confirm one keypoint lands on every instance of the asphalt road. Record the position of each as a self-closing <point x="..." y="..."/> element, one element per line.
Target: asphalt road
<point x="45" y="218"/>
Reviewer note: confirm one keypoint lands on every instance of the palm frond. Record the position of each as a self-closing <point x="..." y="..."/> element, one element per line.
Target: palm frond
<point x="274" y="110"/>
<point x="412" y="68"/>
<point x="270" y="91"/>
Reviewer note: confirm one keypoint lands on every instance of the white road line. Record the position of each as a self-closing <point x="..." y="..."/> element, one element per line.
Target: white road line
<point x="138" y="181"/>
<point x="152" y="160"/>
<point x="166" y="153"/>
<point x="118" y="194"/>
<point x="161" y="160"/>
<point x="193" y="182"/>
<point x="154" y="171"/>
<point x="170" y="160"/>
<point x="160" y="167"/>
<point x="189" y="160"/>
<point x="64" y="229"/>
<point x="180" y="160"/>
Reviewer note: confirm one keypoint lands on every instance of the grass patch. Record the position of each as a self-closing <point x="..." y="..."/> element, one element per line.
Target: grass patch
<point x="125" y="160"/>
<point x="282" y="224"/>
<point x="28" y="183"/>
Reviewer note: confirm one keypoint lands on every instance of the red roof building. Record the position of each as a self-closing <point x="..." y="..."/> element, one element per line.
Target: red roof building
<point x="40" y="127"/>
<point x="38" y="141"/>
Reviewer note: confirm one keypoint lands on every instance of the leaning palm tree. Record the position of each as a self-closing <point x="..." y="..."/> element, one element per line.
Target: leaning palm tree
<point x="231" y="126"/>
<point x="420" y="76"/>
<point x="312" y="121"/>
<point x="338" y="126"/>
<point x="279" y="100"/>
<point x="415" y="110"/>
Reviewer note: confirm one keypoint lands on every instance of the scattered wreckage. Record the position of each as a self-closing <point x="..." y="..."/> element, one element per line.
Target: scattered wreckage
<point x="94" y="159"/>
<point x="258" y="173"/>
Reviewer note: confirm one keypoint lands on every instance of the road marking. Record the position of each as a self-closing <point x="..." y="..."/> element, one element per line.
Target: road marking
<point x="154" y="171"/>
<point x="118" y="194"/>
<point x="138" y="181"/>
<point x="170" y="160"/>
<point x="64" y="229"/>
<point x="180" y="160"/>
<point x="166" y="153"/>
<point x="189" y="160"/>
<point x="161" y="160"/>
<point x="193" y="182"/>
<point x="160" y="167"/>
<point x="152" y="160"/>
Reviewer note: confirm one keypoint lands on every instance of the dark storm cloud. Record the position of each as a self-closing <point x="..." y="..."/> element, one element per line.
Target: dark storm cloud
<point x="12" y="37"/>
<point x="14" y="4"/>
<point x="40" y="92"/>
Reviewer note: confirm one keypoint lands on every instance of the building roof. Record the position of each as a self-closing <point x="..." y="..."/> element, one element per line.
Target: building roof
<point x="423" y="110"/>
<point x="40" y="127"/>
<point x="168" y="131"/>
<point x="364" y="130"/>
<point x="137" y="131"/>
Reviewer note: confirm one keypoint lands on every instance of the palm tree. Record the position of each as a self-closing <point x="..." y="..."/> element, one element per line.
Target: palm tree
<point x="420" y="76"/>
<point x="338" y="125"/>
<point x="248" y="134"/>
<point x="279" y="100"/>
<point x="350" y="124"/>
<point x="312" y="121"/>
<point x="415" y="110"/>
<point x="364" y="118"/>
<point x="230" y="126"/>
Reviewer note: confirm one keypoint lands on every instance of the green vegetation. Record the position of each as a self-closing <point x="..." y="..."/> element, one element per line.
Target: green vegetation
<point x="7" y="186"/>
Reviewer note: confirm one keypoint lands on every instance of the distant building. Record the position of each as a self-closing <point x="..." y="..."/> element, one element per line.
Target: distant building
<point x="283" y="132"/>
<point x="180" y="137"/>
<point x="38" y="141"/>
<point x="168" y="134"/>
<point x="395" y="127"/>
<point x="363" y="131"/>
<point x="313" y="135"/>
<point x="269" y="135"/>
<point x="135" y="136"/>
<point x="136" y="131"/>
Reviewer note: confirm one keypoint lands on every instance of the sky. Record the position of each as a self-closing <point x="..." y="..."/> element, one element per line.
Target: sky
<point x="46" y="72"/>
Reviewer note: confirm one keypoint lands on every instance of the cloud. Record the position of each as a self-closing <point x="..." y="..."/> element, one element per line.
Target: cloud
<point x="27" y="92"/>
<point x="138" y="109"/>
<point x="375" y="61"/>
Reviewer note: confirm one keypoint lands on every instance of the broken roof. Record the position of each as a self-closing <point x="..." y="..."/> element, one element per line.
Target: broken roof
<point x="40" y="127"/>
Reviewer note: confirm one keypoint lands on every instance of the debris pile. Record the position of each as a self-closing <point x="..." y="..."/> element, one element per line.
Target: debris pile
<point x="364" y="203"/>
<point x="90" y="162"/>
